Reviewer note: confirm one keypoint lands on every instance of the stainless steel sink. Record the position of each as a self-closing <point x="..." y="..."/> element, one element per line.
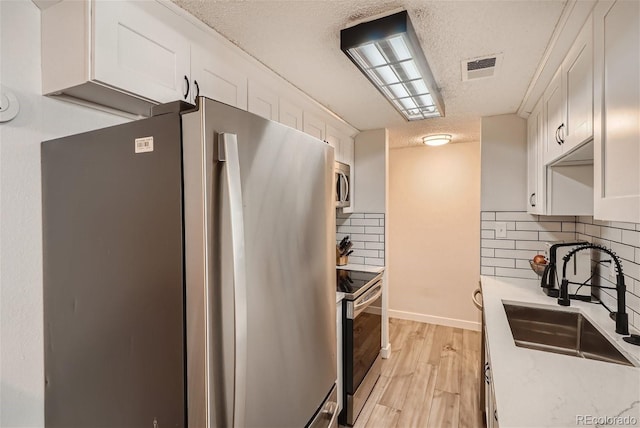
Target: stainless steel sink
<point x="561" y="332"/>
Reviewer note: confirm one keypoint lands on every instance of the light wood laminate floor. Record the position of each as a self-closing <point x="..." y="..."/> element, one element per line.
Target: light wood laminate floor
<point x="430" y="380"/>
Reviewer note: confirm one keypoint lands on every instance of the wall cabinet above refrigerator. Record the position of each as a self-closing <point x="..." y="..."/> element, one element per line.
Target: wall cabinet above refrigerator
<point x="617" y="111"/>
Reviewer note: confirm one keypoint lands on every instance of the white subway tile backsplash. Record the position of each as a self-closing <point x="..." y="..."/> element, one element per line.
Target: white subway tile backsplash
<point x="515" y="216"/>
<point x="516" y="273"/>
<point x="531" y="245"/>
<point x="522" y="235"/>
<point x="523" y="264"/>
<point x="624" y="251"/>
<point x="543" y="226"/>
<point x="488" y="234"/>
<point x="489" y="261"/>
<point x="487" y="215"/>
<point x="510" y="256"/>
<point x="631" y="269"/>
<point x="374" y="245"/>
<point x="592" y="230"/>
<point x="365" y="253"/>
<point x="495" y="243"/>
<point x="374" y="230"/>
<point x="488" y="252"/>
<point x="365" y="222"/>
<point x="623" y="225"/>
<point x="516" y="254"/>
<point x="611" y="234"/>
<point x="366" y="232"/>
<point x="631" y="238"/>
<point x="633" y="302"/>
<point x="557" y="218"/>
<point x="366" y="238"/>
<point x="350" y="229"/>
<point x="557" y="236"/>
<point x="487" y="270"/>
<point x="343" y="221"/>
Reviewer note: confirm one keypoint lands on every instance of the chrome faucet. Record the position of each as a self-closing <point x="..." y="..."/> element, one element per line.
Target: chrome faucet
<point x="621" y="316"/>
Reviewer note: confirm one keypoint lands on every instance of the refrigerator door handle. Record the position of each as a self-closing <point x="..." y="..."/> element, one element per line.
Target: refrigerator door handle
<point x="228" y="153"/>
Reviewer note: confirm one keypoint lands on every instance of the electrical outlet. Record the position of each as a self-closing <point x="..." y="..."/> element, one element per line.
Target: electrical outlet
<point x="501" y="230"/>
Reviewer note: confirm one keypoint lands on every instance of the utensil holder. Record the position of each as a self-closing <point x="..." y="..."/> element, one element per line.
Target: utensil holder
<point x="342" y="260"/>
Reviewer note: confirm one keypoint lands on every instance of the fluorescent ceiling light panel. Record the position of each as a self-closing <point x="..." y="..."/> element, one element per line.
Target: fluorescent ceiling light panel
<point x="387" y="51"/>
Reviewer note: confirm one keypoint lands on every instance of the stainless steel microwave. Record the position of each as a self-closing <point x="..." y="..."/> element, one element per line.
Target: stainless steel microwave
<point x="343" y="182"/>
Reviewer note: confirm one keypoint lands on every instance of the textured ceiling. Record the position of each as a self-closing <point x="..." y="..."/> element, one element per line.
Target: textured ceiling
<point x="300" y="40"/>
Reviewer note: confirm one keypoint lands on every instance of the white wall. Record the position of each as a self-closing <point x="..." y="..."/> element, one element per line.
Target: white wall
<point x="504" y="163"/>
<point x="370" y="151"/>
<point x="434" y="233"/>
<point x="21" y="333"/>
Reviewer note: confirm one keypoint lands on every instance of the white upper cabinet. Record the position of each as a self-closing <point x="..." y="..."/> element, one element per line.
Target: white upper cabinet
<point x="616" y="111"/>
<point x="137" y="49"/>
<point x="568" y="100"/>
<point x="578" y="89"/>
<point x="290" y="114"/>
<point x="263" y="101"/>
<point x="552" y="102"/>
<point x="218" y="73"/>
<point x="122" y="55"/>
<point x="535" y="166"/>
<point x="313" y="125"/>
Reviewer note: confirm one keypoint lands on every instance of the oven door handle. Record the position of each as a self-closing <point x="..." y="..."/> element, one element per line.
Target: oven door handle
<point x="367" y="300"/>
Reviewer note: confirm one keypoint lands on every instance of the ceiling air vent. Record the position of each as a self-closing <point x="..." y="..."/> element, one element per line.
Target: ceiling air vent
<point x="481" y="67"/>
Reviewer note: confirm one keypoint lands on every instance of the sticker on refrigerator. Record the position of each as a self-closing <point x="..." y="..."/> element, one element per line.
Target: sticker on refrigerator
<point x="144" y="145"/>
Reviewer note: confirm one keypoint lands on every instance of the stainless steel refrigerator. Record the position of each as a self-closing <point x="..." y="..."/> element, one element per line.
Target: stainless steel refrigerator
<point x="189" y="275"/>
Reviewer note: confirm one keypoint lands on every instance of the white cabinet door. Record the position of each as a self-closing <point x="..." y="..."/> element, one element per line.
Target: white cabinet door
<point x="137" y="49"/>
<point x="553" y="108"/>
<point x="334" y="138"/>
<point x="535" y="163"/>
<point x="616" y="106"/>
<point x="219" y="74"/>
<point x="578" y="88"/>
<point x="290" y="114"/>
<point x="313" y="125"/>
<point x="262" y="101"/>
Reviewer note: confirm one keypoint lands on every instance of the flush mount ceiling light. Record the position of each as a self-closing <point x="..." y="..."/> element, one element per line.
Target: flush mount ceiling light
<point x="436" y="140"/>
<point x="387" y="51"/>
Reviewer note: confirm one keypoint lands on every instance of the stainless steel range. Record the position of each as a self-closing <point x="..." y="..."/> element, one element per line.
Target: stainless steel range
<point x="362" y="328"/>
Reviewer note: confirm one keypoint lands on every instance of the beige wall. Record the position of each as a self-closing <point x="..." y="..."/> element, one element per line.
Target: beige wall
<point x="434" y="233"/>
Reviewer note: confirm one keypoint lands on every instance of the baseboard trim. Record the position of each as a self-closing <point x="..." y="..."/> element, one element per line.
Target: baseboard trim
<point x="432" y="319"/>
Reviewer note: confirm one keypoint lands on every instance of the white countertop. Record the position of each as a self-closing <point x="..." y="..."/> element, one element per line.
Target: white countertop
<point x="541" y="389"/>
<point x="361" y="268"/>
